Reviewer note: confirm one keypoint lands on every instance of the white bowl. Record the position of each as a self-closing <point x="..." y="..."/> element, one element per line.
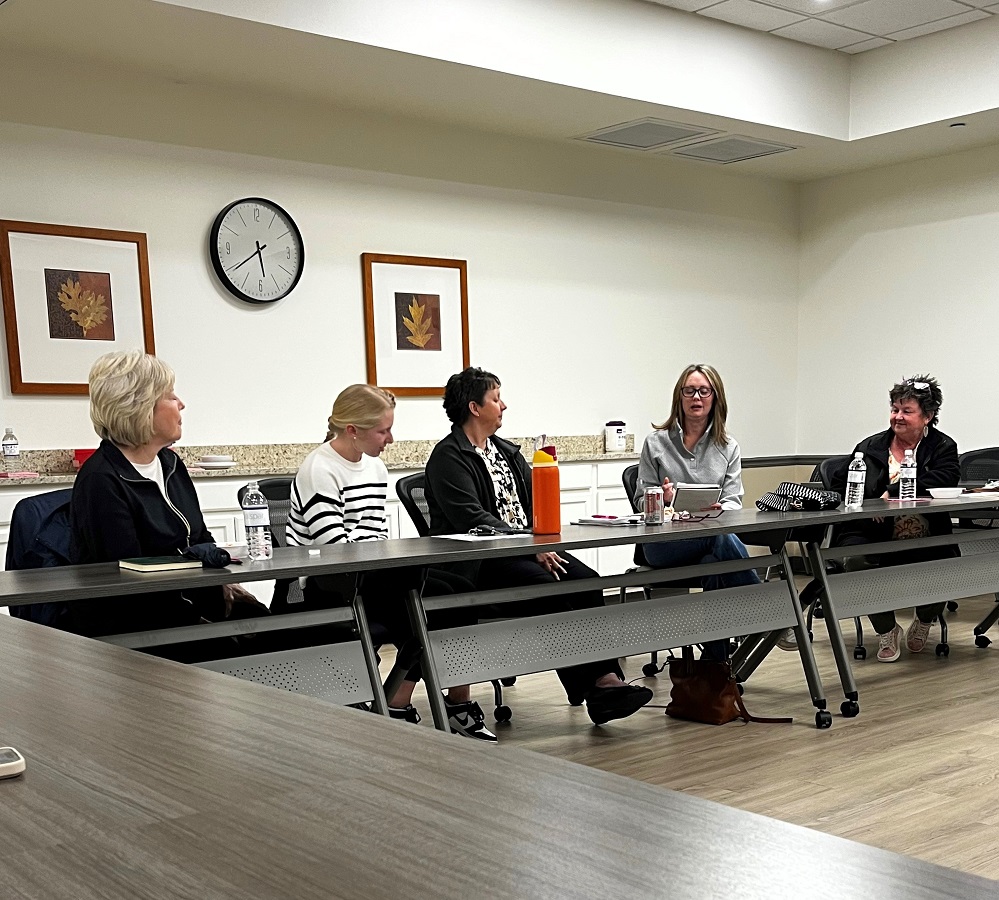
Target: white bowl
<point x="216" y="459"/>
<point x="946" y="493"/>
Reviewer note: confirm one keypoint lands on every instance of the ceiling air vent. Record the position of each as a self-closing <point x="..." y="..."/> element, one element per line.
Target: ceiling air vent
<point x="646" y="134"/>
<point x="730" y="149"/>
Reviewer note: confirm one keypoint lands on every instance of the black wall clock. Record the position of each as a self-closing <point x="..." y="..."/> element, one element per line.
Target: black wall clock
<point x="256" y="250"/>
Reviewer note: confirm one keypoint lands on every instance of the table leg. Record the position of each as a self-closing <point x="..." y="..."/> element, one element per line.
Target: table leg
<point x="850" y="706"/>
<point x="418" y="619"/>
<point x="379" y="702"/>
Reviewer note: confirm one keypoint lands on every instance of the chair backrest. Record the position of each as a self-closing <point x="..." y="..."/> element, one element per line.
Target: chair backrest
<point x="824" y="470"/>
<point x="40" y="537"/>
<point x="278" y="494"/>
<point x="629" y="478"/>
<point x="413" y="496"/>
<point x="979" y="465"/>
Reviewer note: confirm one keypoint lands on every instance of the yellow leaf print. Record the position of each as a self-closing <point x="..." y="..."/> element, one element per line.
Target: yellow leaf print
<point x="85" y="308"/>
<point x="419" y="329"/>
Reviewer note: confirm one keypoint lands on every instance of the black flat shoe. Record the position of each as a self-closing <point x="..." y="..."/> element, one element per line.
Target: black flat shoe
<point x="604" y="704"/>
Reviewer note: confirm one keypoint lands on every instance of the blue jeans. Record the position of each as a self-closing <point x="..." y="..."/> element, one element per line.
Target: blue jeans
<point x="695" y="551"/>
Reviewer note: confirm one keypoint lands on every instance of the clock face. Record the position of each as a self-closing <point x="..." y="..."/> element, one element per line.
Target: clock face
<point x="256" y="250"/>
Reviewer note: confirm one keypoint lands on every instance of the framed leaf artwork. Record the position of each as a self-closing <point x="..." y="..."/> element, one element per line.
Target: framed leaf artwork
<point x="69" y="296"/>
<point x="415" y="322"/>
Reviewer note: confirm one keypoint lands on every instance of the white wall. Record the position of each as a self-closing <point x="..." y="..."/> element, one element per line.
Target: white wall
<point x="899" y="274"/>
<point x="585" y="308"/>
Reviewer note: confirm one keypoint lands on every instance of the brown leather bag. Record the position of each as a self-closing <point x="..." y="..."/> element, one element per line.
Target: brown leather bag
<point x="704" y="690"/>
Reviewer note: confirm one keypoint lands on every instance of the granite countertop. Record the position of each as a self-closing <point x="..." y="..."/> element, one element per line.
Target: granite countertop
<point x="263" y="460"/>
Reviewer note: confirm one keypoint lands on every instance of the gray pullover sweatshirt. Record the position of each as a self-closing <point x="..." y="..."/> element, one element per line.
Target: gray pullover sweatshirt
<point x="664" y="456"/>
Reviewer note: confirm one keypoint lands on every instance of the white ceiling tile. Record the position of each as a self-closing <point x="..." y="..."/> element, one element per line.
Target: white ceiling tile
<point x="941" y="24"/>
<point x="686" y="5"/>
<point x="752" y="15"/>
<point x="814" y="7"/>
<point x="823" y="34"/>
<point x="887" y="16"/>
<point x="872" y="44"/>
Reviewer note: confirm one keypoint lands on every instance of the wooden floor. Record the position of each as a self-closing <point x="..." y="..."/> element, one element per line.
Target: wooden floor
<point x="915" y="773"/>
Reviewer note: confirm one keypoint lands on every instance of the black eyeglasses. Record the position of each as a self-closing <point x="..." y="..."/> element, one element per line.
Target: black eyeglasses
<point x="697" y="392"/>
<point x="685" y="516"/>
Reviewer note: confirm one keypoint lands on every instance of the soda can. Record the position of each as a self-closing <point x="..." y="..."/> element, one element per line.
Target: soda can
<point x="654" y="506"/>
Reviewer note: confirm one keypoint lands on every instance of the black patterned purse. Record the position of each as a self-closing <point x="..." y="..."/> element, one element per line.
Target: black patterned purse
<point x="790" y="496"/>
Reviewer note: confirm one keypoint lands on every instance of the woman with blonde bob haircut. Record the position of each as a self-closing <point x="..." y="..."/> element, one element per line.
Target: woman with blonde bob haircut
<point x="339" y="497"/>
<point x="693" y="446"/>
<point x="134" y="497"/>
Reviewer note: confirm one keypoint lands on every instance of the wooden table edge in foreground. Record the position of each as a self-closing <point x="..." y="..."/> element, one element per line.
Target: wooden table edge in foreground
<point x="148" y="778"/>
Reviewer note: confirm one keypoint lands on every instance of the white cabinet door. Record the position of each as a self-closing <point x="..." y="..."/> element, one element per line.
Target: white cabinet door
<point x="576" y="503"/>
<point x="226" y="527"/>
<point x="611" y="560"/>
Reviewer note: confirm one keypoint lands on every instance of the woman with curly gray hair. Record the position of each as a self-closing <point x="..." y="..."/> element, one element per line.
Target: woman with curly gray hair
<point x="915" y="407"/>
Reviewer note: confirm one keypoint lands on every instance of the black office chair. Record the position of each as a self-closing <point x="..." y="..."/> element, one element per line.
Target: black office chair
<point x="980" y="465"/>
<point x="412" y="493"/>
<point x="39" y="538"/>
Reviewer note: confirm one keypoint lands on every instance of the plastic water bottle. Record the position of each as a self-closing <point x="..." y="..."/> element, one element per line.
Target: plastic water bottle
<point x="856" y="476"/>
<point x="907" y="477"/>
<point x="11" y="452"/>
<point x="257" y="519"/>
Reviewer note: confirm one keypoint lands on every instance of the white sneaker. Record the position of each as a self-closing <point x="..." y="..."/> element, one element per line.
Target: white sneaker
<point x="787" y="640"/>
<point x="916" y="635"/>
<point x="467" y="719"/>
<point x="890" y="645"/>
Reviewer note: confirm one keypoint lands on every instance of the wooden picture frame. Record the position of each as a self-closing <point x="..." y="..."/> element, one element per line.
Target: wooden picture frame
<point x="415" y="322"/>
<point x="69" y="296"/>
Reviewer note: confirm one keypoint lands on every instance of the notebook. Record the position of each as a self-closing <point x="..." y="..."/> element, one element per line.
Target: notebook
<point x="158" y="563"/>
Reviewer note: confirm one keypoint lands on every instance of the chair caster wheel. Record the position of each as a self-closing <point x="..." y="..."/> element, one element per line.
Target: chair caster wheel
<point x="502" y="714"/>
<point x="575" y="701"/>
<point x="823" y="719"/>
<point x="860" y="653"/>
<point x="951" y="606"/>
<point x="982" y="641"/>
<point x="849" y="708"/>
<point x="818" y="612"/>
<point x="943" y="649"/>
<point x="508" y="682"/>
<point x="650" y="670"/>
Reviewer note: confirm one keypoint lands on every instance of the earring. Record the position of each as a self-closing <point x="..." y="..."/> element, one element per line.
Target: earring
<point x="926" y="430"/>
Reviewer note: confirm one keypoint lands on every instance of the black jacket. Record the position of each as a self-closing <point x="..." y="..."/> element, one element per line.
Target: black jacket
<point x="936" y="466"/>
<point x="459" y="491"/>
<point x="116" y="514"/>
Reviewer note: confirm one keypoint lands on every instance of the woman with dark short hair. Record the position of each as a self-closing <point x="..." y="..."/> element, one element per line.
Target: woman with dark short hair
<point x="475" y="478"/>
<point x="912" y="420"/>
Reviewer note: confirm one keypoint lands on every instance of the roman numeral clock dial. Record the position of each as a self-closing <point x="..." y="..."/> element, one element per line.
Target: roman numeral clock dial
<point x="256" y="250"/>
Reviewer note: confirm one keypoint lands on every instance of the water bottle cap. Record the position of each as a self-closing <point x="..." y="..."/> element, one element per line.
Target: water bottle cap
<point x="858" y="455"/>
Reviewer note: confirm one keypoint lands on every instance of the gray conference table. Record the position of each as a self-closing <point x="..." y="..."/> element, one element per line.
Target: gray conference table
<point x="766" y="608"/>
<point x="150" y="779"/>
<point x="631" y="628"/>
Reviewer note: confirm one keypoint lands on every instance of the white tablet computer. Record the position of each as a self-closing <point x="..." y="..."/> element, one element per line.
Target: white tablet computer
<point x="695" y="498"/>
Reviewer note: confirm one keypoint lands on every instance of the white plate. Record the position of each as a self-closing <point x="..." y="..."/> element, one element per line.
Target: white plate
<point x="216" y="459"/>
<point x="208" y="465"/>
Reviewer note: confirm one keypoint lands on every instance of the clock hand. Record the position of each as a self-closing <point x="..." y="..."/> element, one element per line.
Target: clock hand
<point x="260" y="257"/>
<point x="245" y="261"/>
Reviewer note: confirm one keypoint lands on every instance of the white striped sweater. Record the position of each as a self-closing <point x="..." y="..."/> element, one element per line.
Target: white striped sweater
<point x="335" y="500"/>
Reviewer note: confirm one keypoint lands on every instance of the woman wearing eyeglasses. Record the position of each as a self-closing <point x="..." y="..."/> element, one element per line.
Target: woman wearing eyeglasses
<point x="693" y="446"/>
<point x="915" y="408"/>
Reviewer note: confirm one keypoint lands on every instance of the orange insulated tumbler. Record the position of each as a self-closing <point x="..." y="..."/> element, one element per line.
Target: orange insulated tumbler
<point x="545" y="488"/>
